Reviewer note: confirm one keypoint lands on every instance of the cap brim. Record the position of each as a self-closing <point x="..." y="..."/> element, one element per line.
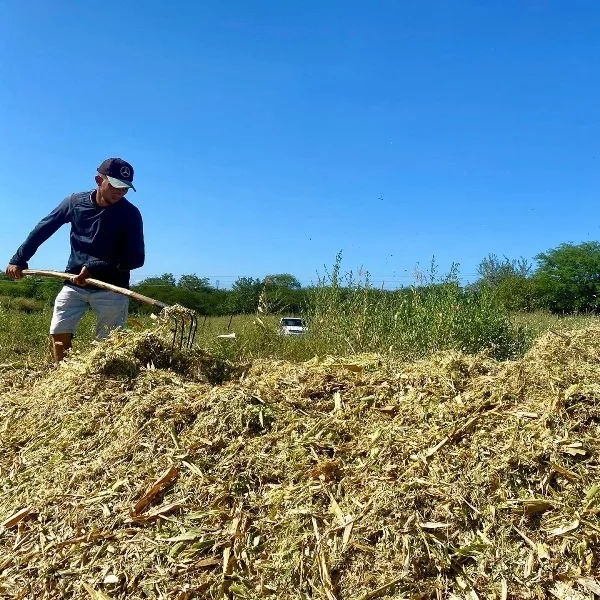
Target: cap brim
<point x="119" y="183"/>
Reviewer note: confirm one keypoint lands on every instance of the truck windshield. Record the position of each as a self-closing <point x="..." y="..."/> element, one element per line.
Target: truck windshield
<point x="291" y="322"/>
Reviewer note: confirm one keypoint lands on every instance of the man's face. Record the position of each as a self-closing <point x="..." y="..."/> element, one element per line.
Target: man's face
<point x="108" y="194"/>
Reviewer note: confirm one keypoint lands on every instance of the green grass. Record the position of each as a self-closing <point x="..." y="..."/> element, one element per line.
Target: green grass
<point x="344" y="318"/>
<point x="24" y="336"/>
<point x="537" y="323"/>
<point x="350" y="316"/>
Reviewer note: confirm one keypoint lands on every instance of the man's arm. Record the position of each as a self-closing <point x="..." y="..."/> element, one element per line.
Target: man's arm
<point x="41" y="232"/>
<point x="133" y="249"/>
<point x="136" y="250"/>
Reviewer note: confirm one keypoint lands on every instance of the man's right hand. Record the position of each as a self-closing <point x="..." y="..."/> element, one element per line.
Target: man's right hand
<point x="14" y="272"/>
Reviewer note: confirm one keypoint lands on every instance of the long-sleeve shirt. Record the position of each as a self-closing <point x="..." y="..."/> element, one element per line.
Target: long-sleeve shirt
<point x="109" y="240"/>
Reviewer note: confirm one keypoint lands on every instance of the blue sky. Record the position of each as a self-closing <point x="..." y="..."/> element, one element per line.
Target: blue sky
<point x="267" y="136"/>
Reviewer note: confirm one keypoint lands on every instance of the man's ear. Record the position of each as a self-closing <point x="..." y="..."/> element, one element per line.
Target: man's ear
<point x="98" y="179"/>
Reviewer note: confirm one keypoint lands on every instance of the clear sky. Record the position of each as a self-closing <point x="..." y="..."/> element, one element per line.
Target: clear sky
<point x="269" y="135"/>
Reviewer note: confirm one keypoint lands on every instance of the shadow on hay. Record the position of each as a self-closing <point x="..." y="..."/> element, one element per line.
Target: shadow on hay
<point x="125" y="357"/>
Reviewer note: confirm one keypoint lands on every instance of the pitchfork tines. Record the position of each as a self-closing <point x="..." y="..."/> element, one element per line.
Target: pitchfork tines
<point x="185" y="326"/>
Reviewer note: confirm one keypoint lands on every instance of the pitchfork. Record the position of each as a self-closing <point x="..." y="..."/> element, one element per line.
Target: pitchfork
<point x="179" y="315"/>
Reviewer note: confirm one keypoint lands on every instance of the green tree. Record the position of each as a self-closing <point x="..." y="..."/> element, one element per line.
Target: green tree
<point x="492" y="270"/>
<point x="244" y="294"/>
<point x="44" y="289"/>
<point x="194" y="283"/>
<point x="164" y="279"/>
<point x="282" y="293"/>
<point x="283" y="280"/>
<point x="509" y="280"/>
<point x="568" y="277"/>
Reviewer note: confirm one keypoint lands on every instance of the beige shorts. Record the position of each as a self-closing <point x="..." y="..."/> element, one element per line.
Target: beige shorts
<point x="72" y="302"/>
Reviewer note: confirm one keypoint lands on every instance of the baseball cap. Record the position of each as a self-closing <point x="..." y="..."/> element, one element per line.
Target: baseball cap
<point x="118" y="172"/>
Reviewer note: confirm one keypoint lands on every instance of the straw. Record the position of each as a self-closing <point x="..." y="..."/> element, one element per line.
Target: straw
<point x="131" y="473"/>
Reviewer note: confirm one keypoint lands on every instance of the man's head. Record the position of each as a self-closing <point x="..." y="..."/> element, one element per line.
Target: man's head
<point x="115" y="177"/>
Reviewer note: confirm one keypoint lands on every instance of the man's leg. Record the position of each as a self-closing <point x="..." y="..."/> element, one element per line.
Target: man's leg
<point x="61" y="344"/>
<point x="69" y="306"/>
<point x="111" y="309"/>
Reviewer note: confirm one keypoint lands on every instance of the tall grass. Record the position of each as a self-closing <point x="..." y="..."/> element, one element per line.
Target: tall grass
<point x="345" y="315"/>
<point x="24" y="335"/>
<point x="538" y="322"/>
<point x="350" y="316"/>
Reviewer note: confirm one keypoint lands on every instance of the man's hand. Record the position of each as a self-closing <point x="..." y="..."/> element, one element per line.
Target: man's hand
<point x="14" y="272"/>
<point x="81" y="278"/>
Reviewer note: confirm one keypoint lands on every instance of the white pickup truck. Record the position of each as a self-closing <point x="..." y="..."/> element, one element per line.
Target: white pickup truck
<point x="292" y="326"/>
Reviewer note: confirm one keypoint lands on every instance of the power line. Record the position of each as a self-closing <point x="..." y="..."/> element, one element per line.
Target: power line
<point x="393" y="277"/>
<point x="307" y="283"/>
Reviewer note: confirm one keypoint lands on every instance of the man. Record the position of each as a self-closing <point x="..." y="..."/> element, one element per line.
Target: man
<point x="107" y="242"/>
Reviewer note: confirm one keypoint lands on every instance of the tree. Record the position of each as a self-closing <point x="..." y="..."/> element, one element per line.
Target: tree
<point x="244" y="294"/>
<point x="282" y="292"/>
<point x="568" y="277"/>
<point x="283" y="280"/>
<point x="492" y="270"/>
<point x="38" y="288"/>
<point x="509" y="280"/>
<point x="193" y="283"/>
<point x="164" y="279"/>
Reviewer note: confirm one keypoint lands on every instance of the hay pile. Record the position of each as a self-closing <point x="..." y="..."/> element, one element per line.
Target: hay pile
<point x="455" y="477"/>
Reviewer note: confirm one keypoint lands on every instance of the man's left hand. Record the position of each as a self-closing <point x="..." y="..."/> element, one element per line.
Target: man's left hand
<point x="81" y="278"/>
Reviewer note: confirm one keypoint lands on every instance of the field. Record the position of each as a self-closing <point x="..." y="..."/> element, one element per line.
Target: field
<point x="24" y="337"/>
<point x="434" y="447"/>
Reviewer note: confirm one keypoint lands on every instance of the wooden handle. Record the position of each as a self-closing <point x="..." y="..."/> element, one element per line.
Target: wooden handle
<point x="100" y="284"/>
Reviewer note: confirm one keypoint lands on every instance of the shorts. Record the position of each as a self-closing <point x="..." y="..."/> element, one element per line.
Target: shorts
<point x="72" y="302"/>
